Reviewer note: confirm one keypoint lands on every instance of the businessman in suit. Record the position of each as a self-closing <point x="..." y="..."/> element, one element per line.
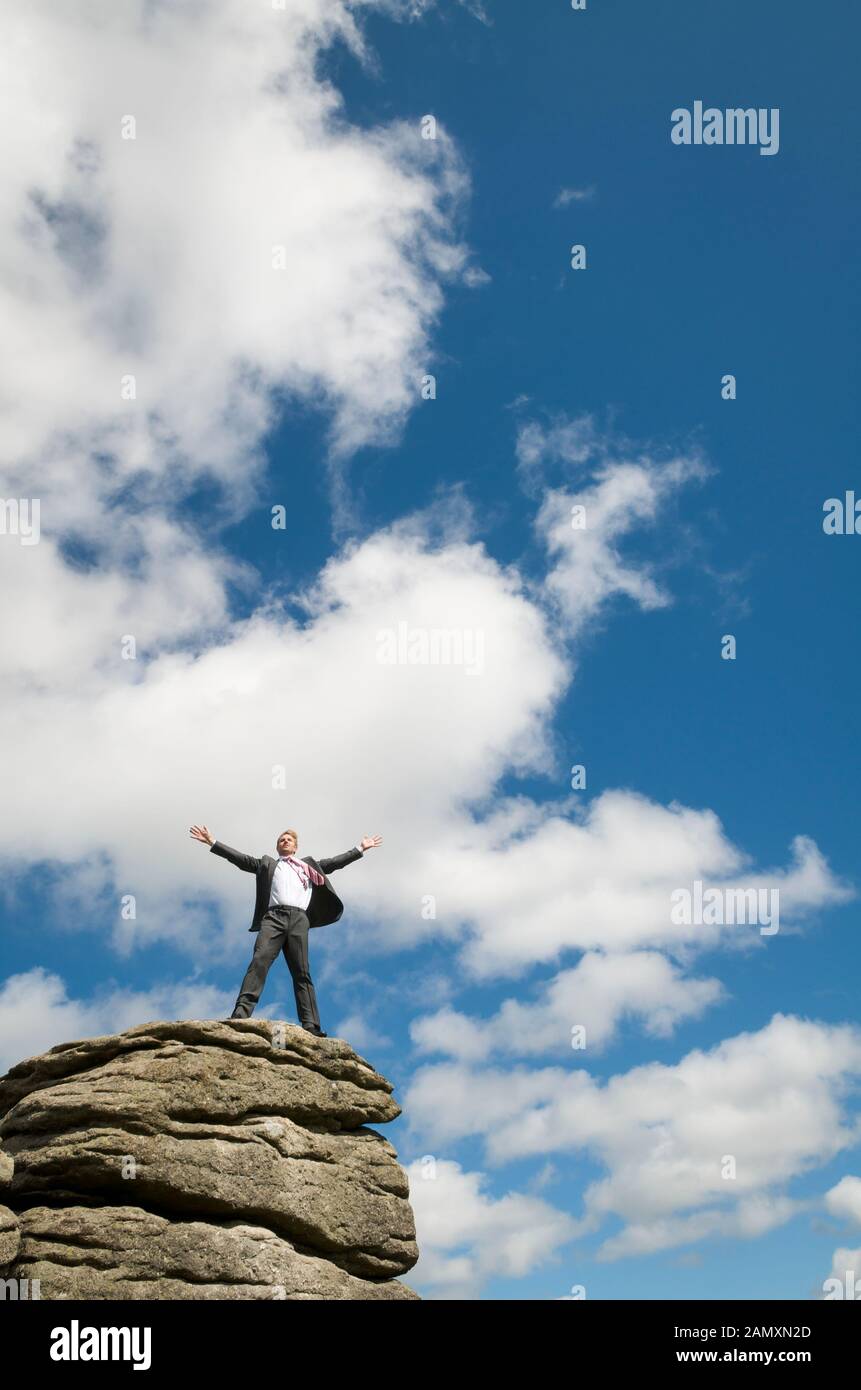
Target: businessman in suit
<point x="293" y="895"/>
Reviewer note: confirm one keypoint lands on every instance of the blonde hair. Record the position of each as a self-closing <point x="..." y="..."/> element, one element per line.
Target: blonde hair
<point x="294" y="833"/>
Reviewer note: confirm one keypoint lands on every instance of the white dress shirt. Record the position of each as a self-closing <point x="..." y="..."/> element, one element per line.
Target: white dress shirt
<point x="288" y="889"/>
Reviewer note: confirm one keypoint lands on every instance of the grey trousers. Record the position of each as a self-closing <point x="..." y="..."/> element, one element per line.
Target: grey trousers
<point x="281" y="929"/>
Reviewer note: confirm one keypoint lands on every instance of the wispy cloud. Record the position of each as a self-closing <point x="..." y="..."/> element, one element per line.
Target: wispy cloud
<point x="573" y="195"/>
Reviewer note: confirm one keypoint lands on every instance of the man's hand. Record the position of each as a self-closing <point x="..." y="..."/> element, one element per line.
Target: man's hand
<point x="200" y="832"/>
<point x="370" y="842"/>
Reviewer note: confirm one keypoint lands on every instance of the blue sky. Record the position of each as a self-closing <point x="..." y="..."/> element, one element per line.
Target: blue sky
<point x="701" y="262"/>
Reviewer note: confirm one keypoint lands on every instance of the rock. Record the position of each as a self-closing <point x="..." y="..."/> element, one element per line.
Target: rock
<point x="226" y="1155"/>
<point x="322" y="1080"/>
<point x="10" y="1236"/>
<point x="126" y="1252"/>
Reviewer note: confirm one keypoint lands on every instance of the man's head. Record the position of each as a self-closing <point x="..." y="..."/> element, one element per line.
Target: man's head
<point x="287" y="842"/>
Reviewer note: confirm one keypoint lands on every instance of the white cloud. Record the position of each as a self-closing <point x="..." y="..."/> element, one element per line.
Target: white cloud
<point x="36" y="1012"/>
<point x="623" y="488"/>
<point x="467" y="1237"/>
<point x="158" y="256"/>
<point x="844" y="1280"/>
<point x="844" y="1200"/>
<point x="773" y="1102"/>
<point x="64" y="629"/>
<point x="601" y="879"/>
<point x="594" y="996"/>
<point x="571" y="441"/>
<point x="573" y="195"/>
<point x="476" y="278"/>
<point x="587" y="567"/>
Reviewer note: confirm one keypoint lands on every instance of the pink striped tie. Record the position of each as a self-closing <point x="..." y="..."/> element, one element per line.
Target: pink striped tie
<point x="305" y="871"/>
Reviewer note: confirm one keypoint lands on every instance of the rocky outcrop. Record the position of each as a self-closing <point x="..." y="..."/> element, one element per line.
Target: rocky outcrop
<point x="203" y="1160"/>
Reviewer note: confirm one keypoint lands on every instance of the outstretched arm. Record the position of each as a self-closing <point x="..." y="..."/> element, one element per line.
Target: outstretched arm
<point x="339" y="860"/>
<point x="246" y="862"/>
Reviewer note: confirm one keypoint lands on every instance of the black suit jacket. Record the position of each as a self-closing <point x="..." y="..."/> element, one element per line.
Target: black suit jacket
<point x="325" y="905"/>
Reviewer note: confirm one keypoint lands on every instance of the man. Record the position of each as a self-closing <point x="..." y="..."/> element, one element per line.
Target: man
<point x="292" y="896"/>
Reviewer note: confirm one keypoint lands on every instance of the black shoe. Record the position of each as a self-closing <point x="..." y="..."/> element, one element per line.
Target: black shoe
<point x="317" y="1032"/>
